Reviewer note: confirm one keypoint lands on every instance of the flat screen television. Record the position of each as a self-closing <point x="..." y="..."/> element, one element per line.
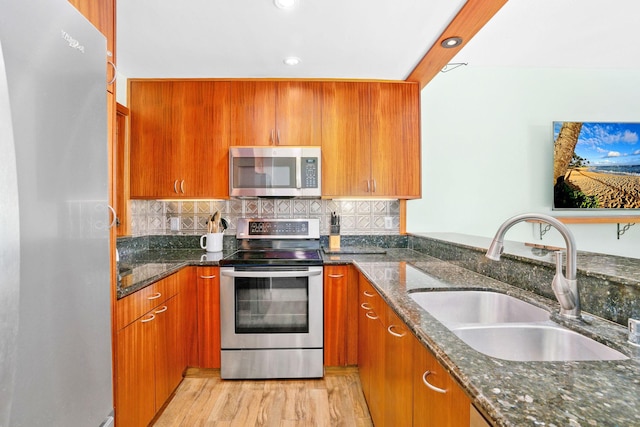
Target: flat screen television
<point x="596" y="165"/>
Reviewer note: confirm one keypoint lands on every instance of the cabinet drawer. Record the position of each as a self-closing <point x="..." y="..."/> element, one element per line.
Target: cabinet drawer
<point x="133" y="306"/>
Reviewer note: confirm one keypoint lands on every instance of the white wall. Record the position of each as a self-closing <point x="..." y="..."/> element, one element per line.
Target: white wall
<point x="487" y="149"/>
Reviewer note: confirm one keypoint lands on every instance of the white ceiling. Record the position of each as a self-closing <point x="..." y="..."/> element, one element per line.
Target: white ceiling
<point x="376" y="39"/>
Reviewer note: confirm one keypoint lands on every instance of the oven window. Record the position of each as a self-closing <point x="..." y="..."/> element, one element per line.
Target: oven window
<point x="272" y="305"/>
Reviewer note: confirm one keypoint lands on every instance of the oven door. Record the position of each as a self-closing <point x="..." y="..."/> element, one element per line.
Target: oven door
<point x="271" y="307"/>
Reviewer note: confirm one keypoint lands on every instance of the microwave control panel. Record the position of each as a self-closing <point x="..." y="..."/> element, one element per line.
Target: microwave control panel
<point x="309" y="172"/>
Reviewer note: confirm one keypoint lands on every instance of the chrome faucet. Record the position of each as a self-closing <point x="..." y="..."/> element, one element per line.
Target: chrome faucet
<point x="565" y="287"/>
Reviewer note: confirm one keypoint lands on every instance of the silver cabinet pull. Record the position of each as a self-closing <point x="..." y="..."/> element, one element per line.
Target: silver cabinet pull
<point x="336" y="276"/>
<point x="182" y="186"/>
<point x="368" y="186"/>
<point x="272" y="137"/>
<point x="366" y="306"/>
<point x="115" y="73"/>
<point x="175" y="186"/>
<point x="148" y="320"/>
<point x="208" y="277"/>
<point x="162" y="310"/>
<point x="431" y="386"/>
<point x="371" y="316"/>
<point x="395" y="334"/>
<point x="114" y="222"/>
<point x="374" y="186"/>
<point x="278" y="137"/>
<point x="368" y="294"/>
<point x="155" y="296"/>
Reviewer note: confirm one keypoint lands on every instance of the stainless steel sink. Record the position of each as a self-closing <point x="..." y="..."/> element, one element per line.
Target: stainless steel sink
<point x="534" y="343"/>
<point x="455" y="307"/>
<point x="508" y="328"/>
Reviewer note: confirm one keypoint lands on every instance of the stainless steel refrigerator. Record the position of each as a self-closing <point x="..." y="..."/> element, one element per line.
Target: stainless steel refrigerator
<point x="55" y="328"/>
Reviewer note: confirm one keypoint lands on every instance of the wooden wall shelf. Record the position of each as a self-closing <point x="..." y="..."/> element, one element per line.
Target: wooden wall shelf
<point x="627" y="222"/>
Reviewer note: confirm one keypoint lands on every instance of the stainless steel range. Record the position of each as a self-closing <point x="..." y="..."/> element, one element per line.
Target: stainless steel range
<point x="271" y="301"/>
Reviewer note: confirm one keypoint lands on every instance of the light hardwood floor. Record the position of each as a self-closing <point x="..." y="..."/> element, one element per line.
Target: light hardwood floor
<point x="203" y="399"/>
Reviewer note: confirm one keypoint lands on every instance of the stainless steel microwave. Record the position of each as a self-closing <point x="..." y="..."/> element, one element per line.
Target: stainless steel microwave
<point x="269" y="171"/>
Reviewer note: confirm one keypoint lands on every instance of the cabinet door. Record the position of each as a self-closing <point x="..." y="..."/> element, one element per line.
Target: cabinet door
<point x="398" y="372"/>
<point x="395" y="140"/>
<point x="442" y="403"/>
<point x="121" y="168"/>
<point x="346" y="154"/>
<point x="253" y="115"/>
<point x="335" y="315"/>
<point x="179" y="139"/>
<point x="170" y="351"/>
<point x="208" y="279"/>
<point x="189" y="315"/>
<point x="298" y="113"/>
<point x="202" y="109"/>
<point x="371" y="351"/>
<point x="135" y="373"/>
<point x="154" y="130"/>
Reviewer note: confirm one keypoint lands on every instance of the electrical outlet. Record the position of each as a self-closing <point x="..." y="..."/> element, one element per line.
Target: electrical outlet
<point x="388" y="222"/>
<point x="175" y="223"/>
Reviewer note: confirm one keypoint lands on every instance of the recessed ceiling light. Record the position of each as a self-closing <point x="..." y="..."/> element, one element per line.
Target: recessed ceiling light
<point x="450" y="42"/>
<point x="285" y="4"/>
<point x="291" y="60"/>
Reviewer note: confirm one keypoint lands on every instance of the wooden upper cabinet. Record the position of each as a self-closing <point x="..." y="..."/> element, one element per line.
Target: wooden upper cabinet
<point x="395" y="140"/>
<point x="275" y="113"/>
<point x="179" y="139"/>
<point x="346" y="154"/>
<point x="102" y="14"/>
<point x="371" y="140"/>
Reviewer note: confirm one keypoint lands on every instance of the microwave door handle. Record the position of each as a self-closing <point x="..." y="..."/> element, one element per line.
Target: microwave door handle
<point x="270" y="273"/>
<point x="298" y="172"/>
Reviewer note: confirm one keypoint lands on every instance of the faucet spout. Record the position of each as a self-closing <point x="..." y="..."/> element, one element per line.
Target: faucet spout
<point x="565" y="286"/>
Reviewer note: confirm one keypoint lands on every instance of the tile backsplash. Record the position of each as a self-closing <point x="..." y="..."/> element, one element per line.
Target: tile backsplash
<point x="358" y="217"/>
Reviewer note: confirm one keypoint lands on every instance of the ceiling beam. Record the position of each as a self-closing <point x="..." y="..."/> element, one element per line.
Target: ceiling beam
<point x="471" y="18"/>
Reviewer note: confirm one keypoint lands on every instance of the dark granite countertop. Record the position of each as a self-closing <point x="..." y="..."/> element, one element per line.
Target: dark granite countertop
<point x="509" y="393"/>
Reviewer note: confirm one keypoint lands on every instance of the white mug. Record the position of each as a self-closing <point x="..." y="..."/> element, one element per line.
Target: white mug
<point x="211" y="242"/>
<point x="211" y="256"/>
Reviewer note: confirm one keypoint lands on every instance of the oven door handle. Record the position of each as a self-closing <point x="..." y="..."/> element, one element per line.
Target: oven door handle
<point x="270" y="273"/>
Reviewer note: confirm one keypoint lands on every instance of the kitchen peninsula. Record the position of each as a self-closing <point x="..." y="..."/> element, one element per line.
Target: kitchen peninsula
<point x="507" y="393"/>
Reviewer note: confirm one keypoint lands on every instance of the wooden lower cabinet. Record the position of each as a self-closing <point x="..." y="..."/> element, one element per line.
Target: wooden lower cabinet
<point x="393" y="366"/>
<point x="208" y="309"/>
<point x="438" y="400"/>
<point x="340" y="315"/>
<point x="153" y="349"/>
<point x="398" y="372"/>
<point x="371" y="350"/>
